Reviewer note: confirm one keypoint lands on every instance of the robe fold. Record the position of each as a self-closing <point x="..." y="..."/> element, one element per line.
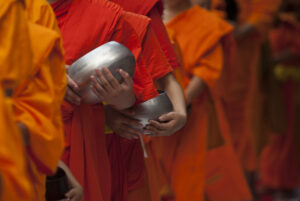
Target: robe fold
<point x="151" y="9"/>
<point x="279" y="159"/>
<point x="131" y="153"/>
<point x="85" y="150"/>
<point x="184" y="156"/>
<point x="15" y="50"/>
<point x="260" y="14"/>
<point x="37" y="99"/>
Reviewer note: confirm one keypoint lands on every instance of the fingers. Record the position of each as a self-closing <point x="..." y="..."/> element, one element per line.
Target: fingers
<point x="166" y="117"/>
<point x="71" y="193"/>
<point x="72" y="84"/>
<point x="126" y="77"/>
<point x="104" y="83"/>
<point x="152" y="131"/>
<point x="72" y="97"/>
<point x="111" y="79"/>
<point x="128" y="133"/>
<point x="97" y="88"/>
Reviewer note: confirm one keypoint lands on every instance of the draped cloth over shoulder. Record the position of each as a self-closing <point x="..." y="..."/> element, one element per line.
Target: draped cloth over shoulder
<point x="184" y="155"/>
<point x="151" y="9"/>
<point x="85" y="150"/>
<point x="15" y="50"/>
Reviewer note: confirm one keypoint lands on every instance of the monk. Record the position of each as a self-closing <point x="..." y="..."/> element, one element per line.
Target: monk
<point x="279" y="160"/>
<point x="15" y="51"/>
<point x="44" y="141"/>
<point x="232" y="110"/>
<point x="153" y="56"/>
<point x="201" y="97"/>
<point x="85" y="151"/>
<point x="254" y="20"/>
<point x="160" y="72"/>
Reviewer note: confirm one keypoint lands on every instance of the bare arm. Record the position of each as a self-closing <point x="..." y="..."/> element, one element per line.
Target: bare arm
<point x="194" y="89"/>
<point x="173" y="121"/>
<point x="76" y="192"/>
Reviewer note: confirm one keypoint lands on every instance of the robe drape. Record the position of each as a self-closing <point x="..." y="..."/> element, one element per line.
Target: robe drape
<point x="37" y="99"/>
<point x="85" y="151"/>
<point x="184" y="155"/>
<point x="15" y="50"/>
<point x="279" y="159"/>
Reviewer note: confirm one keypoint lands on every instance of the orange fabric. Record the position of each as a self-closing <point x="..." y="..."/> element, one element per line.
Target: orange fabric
<point x="15" y="50"/>
<point x="279" y="161"/>
<point x="85" y="150"/>
<point x="260" y="14"/>
<point x="183" y="155"/>
<point x="151" y="8"/>
<point x="37" y="100"/>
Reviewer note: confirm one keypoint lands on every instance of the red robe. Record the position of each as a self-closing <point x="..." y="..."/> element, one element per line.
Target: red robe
<point x="128" y="153"/>
<point x="85" y="151"/>
<point x="279" y="160"/>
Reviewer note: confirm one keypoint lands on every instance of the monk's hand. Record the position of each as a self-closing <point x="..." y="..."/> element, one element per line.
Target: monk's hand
<point x="167" y="125"/>
<point x="75" y="194"/>
<point x="119" y="95"/>
<point x="121" y="124"/>
<point x="72" y="92"/>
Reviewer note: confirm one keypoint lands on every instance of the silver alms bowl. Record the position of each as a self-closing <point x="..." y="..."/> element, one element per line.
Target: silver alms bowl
<point x="112" y="55"/>
<point x="152" y="109"/>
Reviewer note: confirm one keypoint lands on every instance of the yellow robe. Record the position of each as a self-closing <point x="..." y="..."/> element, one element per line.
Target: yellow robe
<point x="14" y="52"/>
<point x="37" y="100"/>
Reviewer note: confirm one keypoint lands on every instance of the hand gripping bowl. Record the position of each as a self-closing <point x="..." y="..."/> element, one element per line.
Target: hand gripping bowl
<point x="112" y="55"/>
<point x="152" y="109"/>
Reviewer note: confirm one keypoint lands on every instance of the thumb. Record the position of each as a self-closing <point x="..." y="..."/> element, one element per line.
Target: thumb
<point x="71" y="193"/>
<point x="72" y="83"/>
<point x="166" y="117"/>
<point x="125" y="76"/>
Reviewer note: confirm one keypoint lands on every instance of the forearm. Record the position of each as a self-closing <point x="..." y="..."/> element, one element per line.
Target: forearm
<point x="194" y="89"/>
<point x="169" y="84"/>
<point x="72" y="180"/>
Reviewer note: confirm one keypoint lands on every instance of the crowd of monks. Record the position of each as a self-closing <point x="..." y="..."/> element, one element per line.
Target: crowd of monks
<point x="231" y="69"/>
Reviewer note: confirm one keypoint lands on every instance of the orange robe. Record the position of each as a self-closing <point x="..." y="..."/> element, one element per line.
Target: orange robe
<point x="184" y="155"/>
<point x="85" y="151"/>
<point x="260" y="14"/>
<point x="37" y="99"/>
<point x="279" y="160"/>
<point x="15" y="52"/>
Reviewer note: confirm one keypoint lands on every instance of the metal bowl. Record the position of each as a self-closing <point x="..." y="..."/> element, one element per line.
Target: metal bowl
<point x="57" y="186"/>
<point x="152" y="109"/>
<point x="112" y="55"/>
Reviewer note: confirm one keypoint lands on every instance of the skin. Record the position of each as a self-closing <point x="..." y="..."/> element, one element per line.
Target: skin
<point x="167" y="125"/>
<point x="110" y="91"/>
<point x="76" y="191"/>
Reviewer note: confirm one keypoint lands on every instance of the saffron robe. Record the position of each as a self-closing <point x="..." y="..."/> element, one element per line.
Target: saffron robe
<point x="85" y="151"/>
<point x="15" y="51"/>
<point x="260" y="14"/>
<point x="184" y="155"/>
<point x="279" y="159"/>
<point x="38" y="98"/>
